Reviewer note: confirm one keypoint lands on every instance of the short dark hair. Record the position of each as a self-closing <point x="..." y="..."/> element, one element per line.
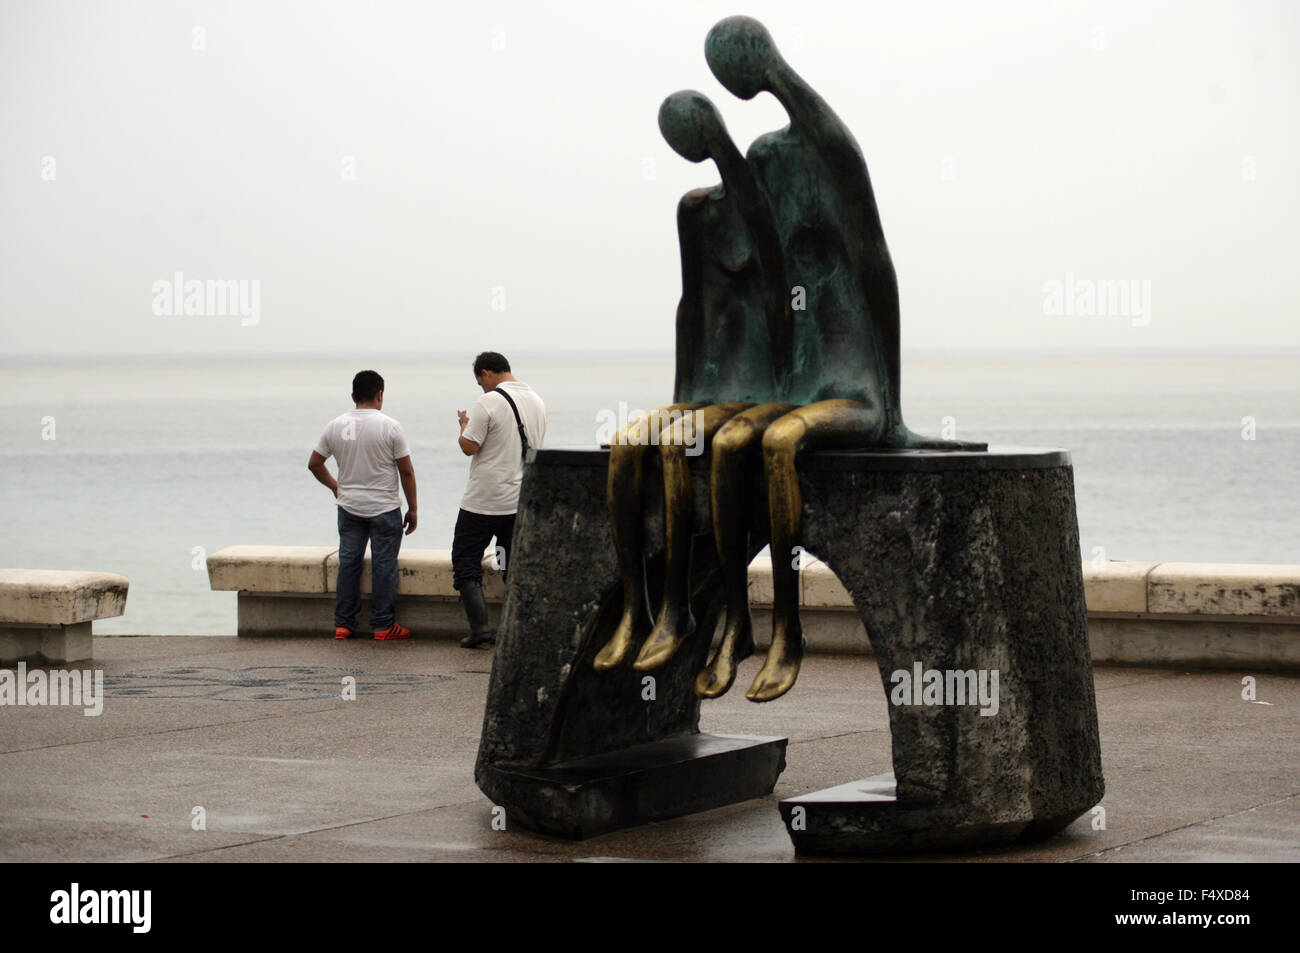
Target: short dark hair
<point x="491" y="361"/>
<point x="366" y="385"/>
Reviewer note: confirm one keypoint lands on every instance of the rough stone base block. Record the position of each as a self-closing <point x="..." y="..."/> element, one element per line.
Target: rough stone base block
<point x="45" y="644"/>
<point x="650" y="782"/>
<point x="963" y="567"/>
<point x="865" y="817"/>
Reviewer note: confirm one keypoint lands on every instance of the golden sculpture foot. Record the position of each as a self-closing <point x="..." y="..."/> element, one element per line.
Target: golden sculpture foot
<point x="737" y="645"/>
<point x="778" y="674"/>
<point x="668" y="634"/>
<point x="616" y="649"/>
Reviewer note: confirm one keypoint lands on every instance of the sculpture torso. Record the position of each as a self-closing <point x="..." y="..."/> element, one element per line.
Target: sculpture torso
<point x="727" y="352"/>
<point x="836" y="346"/>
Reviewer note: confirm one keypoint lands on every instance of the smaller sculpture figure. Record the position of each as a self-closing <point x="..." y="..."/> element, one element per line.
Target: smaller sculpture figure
<point x="733" y="351"/>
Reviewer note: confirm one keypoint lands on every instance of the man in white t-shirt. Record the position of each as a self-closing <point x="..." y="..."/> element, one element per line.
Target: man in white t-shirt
<point x="490" y="434"/>
<point x="373" y="456"/>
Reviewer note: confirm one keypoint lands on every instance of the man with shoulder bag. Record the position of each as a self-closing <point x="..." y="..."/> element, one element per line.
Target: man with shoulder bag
<point x="496" y="433"/>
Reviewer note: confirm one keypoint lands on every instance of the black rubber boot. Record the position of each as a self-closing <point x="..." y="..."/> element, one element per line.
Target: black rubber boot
<point x="480" y="630"/>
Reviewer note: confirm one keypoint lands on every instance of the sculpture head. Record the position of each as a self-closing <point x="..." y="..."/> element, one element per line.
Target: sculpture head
<point x="741" y="54"/>
<point x="691" y="125"/>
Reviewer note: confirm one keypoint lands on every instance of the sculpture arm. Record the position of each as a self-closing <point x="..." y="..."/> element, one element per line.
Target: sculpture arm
<point x="689" y="311"/>
<point x="815" y="119"/>
<point x="739" y="179"/>
<point x="812" y="118"/>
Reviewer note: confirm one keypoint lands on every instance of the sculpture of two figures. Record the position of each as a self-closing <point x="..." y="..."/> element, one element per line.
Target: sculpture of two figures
<point x="787" y="341"/>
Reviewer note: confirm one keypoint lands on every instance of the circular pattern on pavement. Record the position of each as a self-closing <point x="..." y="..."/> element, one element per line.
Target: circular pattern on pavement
<point x="262" y="683"/>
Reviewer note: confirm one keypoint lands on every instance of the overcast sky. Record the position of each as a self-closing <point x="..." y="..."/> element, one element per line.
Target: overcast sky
<point x="441" y="175"/>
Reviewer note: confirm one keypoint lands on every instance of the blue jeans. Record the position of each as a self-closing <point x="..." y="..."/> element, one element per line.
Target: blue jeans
<point x="473" y="530"/>
<point x="384" y="533"/>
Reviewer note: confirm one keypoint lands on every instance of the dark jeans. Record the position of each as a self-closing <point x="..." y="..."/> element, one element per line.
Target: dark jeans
<point x="384" y="533"/>
<point x="473" y="530"/>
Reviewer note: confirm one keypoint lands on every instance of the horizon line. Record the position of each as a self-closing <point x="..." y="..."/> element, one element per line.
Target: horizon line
<point x="913" y="353"/>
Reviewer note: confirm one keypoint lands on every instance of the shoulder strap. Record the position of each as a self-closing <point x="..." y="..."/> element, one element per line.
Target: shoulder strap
<point x="523" y="436"/>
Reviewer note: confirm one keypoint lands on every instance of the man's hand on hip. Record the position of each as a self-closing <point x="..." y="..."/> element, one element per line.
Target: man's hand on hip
<point x="321" y="472"/>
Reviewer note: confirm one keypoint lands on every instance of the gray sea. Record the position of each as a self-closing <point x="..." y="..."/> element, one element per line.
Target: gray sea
<point x="142" y="466"/>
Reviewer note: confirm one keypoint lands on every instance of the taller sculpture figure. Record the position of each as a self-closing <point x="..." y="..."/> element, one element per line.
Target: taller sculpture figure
<point x="845" y="368"/>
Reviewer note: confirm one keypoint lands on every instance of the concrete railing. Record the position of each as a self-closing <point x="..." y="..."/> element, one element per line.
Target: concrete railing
<point x="46" y="615"/>
<point x="1218" y="615"/>
<point x="1192" y="614"/>
<point x="289" y="590"/>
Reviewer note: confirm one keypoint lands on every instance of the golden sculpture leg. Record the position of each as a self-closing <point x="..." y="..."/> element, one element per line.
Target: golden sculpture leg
<point x="736" y="450"/>
<point x="827" y="424"/>
<point x="623" y="493"/>
<point x="674" y="622"/>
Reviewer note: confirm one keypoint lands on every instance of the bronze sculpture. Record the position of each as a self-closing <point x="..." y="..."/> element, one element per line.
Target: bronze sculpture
<point x="796" y="217"/>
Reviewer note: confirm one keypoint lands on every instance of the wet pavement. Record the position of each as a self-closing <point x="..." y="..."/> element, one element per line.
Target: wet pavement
<point x="227" y="749"/>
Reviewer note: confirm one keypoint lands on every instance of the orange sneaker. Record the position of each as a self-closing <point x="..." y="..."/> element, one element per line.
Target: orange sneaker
<point x="342" y="633"/>
<point x="394" y="631"/>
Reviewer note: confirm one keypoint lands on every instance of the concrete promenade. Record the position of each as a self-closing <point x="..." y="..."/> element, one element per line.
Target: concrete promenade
<point x="255" y="733"/>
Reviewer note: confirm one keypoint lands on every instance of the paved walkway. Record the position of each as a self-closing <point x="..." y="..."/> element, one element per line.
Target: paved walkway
<point x="256" y="734"/>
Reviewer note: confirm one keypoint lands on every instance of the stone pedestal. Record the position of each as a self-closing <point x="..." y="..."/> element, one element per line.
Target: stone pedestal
<point x="45" y="644"/>
<point x="956" y="562"/>
<point x="960" y="563"/>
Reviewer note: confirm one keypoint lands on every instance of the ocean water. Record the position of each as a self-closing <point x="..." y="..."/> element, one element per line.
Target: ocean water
<point x="142" y="466"/>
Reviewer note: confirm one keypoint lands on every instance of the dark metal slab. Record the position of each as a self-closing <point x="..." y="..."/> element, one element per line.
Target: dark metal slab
<point x="635" y="785"/>
<point x="865" y="817"/>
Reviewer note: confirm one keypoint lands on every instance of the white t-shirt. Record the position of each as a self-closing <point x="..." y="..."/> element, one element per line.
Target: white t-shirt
<point x="368" y="445"/>
<point x="496" y="471"/>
